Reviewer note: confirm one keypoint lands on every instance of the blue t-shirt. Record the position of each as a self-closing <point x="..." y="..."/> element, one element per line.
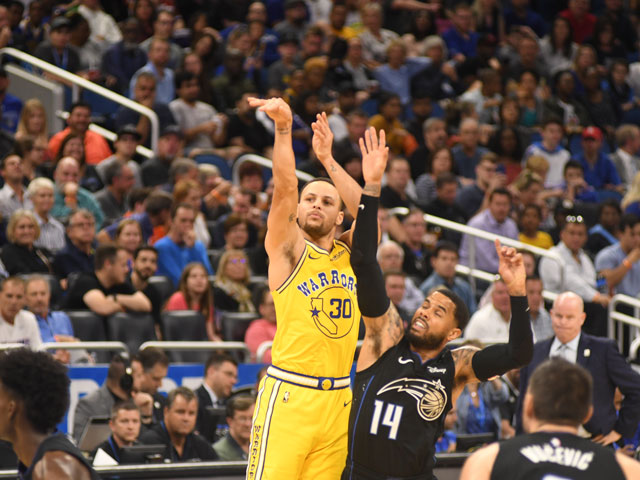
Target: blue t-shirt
<point x="172" y="258"/>
<point x="56" y="323"/>
<point x="11" y="109"/>
<point x="602" y="173"/>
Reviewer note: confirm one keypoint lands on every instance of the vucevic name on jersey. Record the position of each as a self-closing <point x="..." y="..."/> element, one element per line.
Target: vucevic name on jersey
<point x="398" y="413"/>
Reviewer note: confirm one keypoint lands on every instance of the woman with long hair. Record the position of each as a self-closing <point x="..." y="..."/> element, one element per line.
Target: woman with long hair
<point x="129" y="237"/>
<point x="557" y="48"/>
<point x="423" y="25"/>
<point x="489" y="18"/>
<point x="231" y="292"/>
<point x="440" y="161"/>
<point x="506" y="144"/>
<point x="144" y="10"/>
<point x="33" y="121"/>
<point x="195" y="293"/>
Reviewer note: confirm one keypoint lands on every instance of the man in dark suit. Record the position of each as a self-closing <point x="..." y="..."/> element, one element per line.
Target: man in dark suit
<point x="600" y="356"/>
<point x="220" y="375"/>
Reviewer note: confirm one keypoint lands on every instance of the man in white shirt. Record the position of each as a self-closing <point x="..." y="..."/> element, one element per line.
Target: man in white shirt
<point x="625" y="158"/>
<point x="550" y="147"/>
<point x="104" y="29"/>
<point x="17" y="325"/>
<point x="491" y="322"/>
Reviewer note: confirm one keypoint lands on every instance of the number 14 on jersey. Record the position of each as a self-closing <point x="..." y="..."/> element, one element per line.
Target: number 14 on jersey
<point x="391" y="418"/>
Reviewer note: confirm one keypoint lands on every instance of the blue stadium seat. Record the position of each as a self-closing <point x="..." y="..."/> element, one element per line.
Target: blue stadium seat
<point x="221" y="163"/>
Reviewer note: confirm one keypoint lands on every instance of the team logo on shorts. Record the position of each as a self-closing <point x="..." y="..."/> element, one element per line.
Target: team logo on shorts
<point x="332" y="312"/>
<point x="430" y="395"/>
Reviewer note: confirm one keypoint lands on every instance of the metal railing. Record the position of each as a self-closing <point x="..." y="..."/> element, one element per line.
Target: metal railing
<point x="111" y="346"/>
<point x="263" y="162"/>
<point x="615" y="331"/>
<point x="199" y="346"/>
<point x="11" y="346"/>
<point x="78" y="82"/>
<point x="263" y="348"/>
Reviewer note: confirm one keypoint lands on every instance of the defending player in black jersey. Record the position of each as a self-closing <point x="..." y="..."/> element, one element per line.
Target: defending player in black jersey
<point x="406" y="382"/>
<point x="557" y="402"/>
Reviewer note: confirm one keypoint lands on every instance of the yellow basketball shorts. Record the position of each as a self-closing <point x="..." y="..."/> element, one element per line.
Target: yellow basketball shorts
<point x="298" y="432"/>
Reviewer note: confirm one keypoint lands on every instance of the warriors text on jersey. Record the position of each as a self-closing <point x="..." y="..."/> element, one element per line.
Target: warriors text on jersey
<point x="399" y="406"/>
<point x="318" y="315"/>
<point x="555" y="456"/>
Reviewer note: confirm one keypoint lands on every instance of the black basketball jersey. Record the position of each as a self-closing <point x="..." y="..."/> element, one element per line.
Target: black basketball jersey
<point x="555" y="456"/>
<point x="399" y="406"/>
<point x="55" y="442"/>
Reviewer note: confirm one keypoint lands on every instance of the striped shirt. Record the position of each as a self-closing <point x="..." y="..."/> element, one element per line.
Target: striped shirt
<point x="51" y="234"/>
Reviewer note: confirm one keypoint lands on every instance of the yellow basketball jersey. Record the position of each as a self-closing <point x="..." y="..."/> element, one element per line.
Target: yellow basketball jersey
<point x="318" y="315"/>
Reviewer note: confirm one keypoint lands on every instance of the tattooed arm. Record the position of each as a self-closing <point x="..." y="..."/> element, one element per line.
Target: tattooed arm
<point x="284" y="241"/>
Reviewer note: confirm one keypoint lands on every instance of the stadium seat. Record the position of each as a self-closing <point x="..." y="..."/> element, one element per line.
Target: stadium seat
<point x="89" y="327"/>
<point x="164" y="285"/>
<point x="185" y="325"/>
<point x="235" y="324"/>
<point x="132" y="329"/>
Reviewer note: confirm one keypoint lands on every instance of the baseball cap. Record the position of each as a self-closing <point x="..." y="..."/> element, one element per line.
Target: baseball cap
<point x="59" y="22"/>
<point x="172" y="130"/>
<point x="129" y="129"/>
<point x="592" y="132"/>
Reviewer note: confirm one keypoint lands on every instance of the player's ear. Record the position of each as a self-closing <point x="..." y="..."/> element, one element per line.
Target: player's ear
<point x="589" y="414"/>
<point x="453" y="334"/>
<point x="340" y="218"/>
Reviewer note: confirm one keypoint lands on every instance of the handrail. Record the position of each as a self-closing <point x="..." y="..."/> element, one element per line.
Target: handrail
<point x="11" y="346"/>
<point x="263" y="348"/>
<point x="198" y="345"/>
<point x="622" y="318"/>
<point x="119" y="346"/>
<point x="93" y="87"/>
<point x="264" y="162"/>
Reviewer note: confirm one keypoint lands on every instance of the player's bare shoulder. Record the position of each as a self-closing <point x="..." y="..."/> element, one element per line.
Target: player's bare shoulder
<point x="462" y="358"/>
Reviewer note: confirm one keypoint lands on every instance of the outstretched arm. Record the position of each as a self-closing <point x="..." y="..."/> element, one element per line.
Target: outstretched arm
<point x="284" y="242"/>
<point x="383" y="324"/>
<point x="347" y="187"/>
<point x="474" y="365"/>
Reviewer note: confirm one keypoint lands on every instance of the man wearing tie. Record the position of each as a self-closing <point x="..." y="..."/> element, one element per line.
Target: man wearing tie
<point x="601" y="357"/>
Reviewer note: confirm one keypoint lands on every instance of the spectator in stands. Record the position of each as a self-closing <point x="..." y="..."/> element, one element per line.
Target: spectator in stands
<point x="521" y="14"/>
<point x="294" y="22"/>
<point x="231" y="292"/>
<point x="461" y="39"/>
<point x="625" y="158"/>
<point x="444" y="260"/>
<point x="12" y="194"/>
<point x="236" y="235"/>
<point x="41" y="193"/>
<point x="400" y="141"/>
<point x="233" y="82"/>
<point x="607" y="231"/>
<point x="125" y="144"/>
<point x="32" y="27"/>
<point x="19" y="256"/>
<point x="245" y="131"/>
<point x="435" y="138"/>
<point x="472" y="197"/>
<point x="486" y="99"/>
<point x="201" y="125"/>
<point x="244" y="205"/>
<point x="356" y="126"/>
<point x="530" y="233"/>
<point x="279" y="72"/>
<point x="105" y="291"/>
<point x="125" y="423"/>
<point x="390" y="256"/>
<point x="96" y="148"/>
<point x="558" y="49"/>
<point x="34" y="161"/>
<point x="104" y="29"/>
<point x="33" y="121"/>
<point x="78" y="253"/>
<point x="129" y="237"/>
<point x="582" y="22"/>
<point x="180" y="247"/>
<point x="599" y="171"/>
<point x="578" y="273"/>
<point x="618" y="263"/>
<point x="119" y="179"/>
<point x="416" y="253"/>
<point x="467" y="153"/>
<point x="157" y="64"/>
<point x="575" y="189"/>
<point x="17" y="325"/>
<point x="181" y="169"/>
<point x="148" y="368"/>
<point x="195" y="293"/>
<point x="155" y="170"/>
<point x="394" y="286"/>
<point x="494" y="219"/>
<point x="234" y="446"/>
<point x="145" y="264"/>
<point x="540" y="319"/>
<point x="220" y="375"/>
<point x="375" y="39"/>
<point x="157" y="211"/>
<point x="440" y="161"/>
<point x="564" y="106"/>
<point x="122" y="60"/>
<point x="263" y="329"/>
<point x="550" y="147"/>
<point x="177" y="430"/>
<point x="162" y="31"/>
<point x="11" y="105"/>
<point x="491" y="322"/>
<point x="394" y="193"/>
<point x="57" y="50"/>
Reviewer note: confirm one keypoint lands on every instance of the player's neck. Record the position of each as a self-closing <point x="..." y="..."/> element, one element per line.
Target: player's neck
<point x="553" y="427"/>
<point x="325" y="242"/>
<point x="26" y="444"/>
<point x="426" y="354"/>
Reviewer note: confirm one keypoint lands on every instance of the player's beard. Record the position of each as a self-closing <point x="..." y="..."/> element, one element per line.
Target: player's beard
<point x="316" y="230"/>
<point x="428" y="341"/>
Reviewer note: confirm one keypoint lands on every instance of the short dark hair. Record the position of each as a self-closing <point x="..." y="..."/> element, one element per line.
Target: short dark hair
<point x="249" y="169"/>
<point x="156" y="202"/>
<point x="562" y="392"/>
<point x="609" y="203"/>
<point x="445" y="178"/>
<point x="552" y="120"/>
<point x="532" y="206"/>
<point x="138" y="194"/>
<point x="445" y="246"/>
<point x="112" y="171"/>
<point x="461" y="314"/>
<point x="188" y="206"/>
<point x="150" y="357"/>
<point x="394" y="273"/>
<point x="500" y="191"/>
<point x="145" y="248"/>
<point x="79" y="104"/>
<point x="181" y="77"/>
<point x="572" y="164"/>
<point x="218" y="358"/>
<point x="128" y="405"/>
<point x="233" y="220"/>
<point x="184" y="392"/>
<point x="117" y="367"/>
<point x="239" y="403"/>
<point x="106" y="252"/>
<point x="40" y="383"/>
<point x="628" y="220"/>
<point x="321" y="179"/>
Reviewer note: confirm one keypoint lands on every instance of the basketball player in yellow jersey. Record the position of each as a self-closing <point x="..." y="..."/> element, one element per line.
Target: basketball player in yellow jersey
<point x="301" y="419"/>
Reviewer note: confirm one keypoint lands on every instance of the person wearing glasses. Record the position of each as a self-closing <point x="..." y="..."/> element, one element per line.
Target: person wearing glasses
<point x="77" y="254"/>
<point x="234" y="446"/>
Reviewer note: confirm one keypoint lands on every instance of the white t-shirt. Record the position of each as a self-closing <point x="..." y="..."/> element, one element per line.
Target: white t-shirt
<point x="24" y="330"/>
<point x="487" y="325"/>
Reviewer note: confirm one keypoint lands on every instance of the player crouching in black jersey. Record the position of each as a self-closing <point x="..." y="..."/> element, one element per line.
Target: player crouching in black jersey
<point x="407" y="382"/>
<point x="557" y="402"/>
